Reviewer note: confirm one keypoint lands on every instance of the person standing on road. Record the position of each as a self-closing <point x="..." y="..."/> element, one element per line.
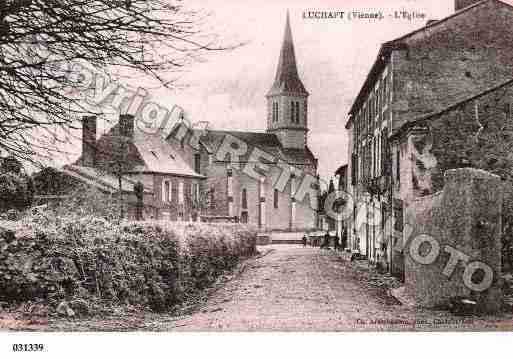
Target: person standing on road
<point x="326" y="242"/>
<point x="344" y="239"/>
<point x="304" y="240"/>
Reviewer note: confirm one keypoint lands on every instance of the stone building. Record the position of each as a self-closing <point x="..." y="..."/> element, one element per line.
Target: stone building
<point x="267" y="200"/>
<point x="172" y="188"/>
<point x="433" y="70"/>
<point x="194" y="173"/>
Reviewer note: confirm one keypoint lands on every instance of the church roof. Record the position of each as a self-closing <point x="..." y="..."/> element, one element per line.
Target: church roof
<point x="287" y="77"/>
<point x="267" y="142"/>
<point x="159" y="156"/>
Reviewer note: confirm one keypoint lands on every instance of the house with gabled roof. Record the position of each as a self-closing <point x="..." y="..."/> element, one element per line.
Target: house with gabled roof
<point x="127" y="150"/>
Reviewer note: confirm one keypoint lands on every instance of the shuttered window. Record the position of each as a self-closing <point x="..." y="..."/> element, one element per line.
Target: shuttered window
<point x="181" y="192"/>
<point x="197" y="163"/>
<point x="167" y="189"/>
<point x="353" y="169"/>
<point x="244" y="199"/>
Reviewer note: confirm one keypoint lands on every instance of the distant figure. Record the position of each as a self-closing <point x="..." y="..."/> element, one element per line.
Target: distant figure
<point x="335" y="243"/>
<point x="326" y="242"/>
<point x="304" y="240"/>
<point x="344" y="239"/>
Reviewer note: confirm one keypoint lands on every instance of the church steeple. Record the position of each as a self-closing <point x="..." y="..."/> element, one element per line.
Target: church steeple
<point x="287" y="77"/>
<point x="287" y="101"/>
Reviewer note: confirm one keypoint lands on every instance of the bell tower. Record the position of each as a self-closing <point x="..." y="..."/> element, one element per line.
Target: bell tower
<point x="287" y="101"/>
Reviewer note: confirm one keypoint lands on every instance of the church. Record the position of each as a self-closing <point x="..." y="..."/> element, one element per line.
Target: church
<point x="188" y="182"/>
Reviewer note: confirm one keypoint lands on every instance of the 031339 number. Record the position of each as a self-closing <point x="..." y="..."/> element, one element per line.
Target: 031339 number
<point x="28" y="347"/>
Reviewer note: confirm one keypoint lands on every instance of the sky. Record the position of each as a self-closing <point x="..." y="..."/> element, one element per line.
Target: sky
<point x="227" y="89"/>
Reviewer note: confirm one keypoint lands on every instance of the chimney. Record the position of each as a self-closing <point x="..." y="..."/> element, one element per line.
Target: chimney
<point x="89" y="141"/>
<point x="126" y="125"/>
<point x="460" y="4"/>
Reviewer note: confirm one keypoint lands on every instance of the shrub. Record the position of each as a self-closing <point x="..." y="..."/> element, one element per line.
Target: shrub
<point x="85" y="200"/>
<point x="16" y="191"/>
<point x="155" y="265"/>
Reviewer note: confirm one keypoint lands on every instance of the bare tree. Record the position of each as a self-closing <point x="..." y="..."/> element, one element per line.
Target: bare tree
<point x="39" y="39"/>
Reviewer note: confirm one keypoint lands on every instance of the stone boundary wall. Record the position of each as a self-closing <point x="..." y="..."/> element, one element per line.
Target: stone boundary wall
<point x="465" y="216"/>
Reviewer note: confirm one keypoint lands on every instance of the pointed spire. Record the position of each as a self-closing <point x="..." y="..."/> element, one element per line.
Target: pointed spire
<point x="287" y="77"/>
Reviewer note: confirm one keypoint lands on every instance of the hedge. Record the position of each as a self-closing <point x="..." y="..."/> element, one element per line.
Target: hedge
<point x="155" y="265"/>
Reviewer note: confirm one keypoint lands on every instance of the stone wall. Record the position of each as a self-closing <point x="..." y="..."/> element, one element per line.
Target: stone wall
<point x="452" y="61"/>
<point x="464" y="217"/>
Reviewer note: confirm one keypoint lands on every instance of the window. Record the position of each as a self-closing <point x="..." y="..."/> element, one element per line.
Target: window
<point x="508" y="109"/>
<point x="244" y="199"/>
<point x="295" y="112"/>
<point x="244" y="217"/>
<point x="362" y="164"/>
<point x="373" y="157"/>
<point x="354" y="162"/>
<point x="212" y="198"/>
<point x="275" y="111"/>
<point x="195" y="190"/>
<point x="167" y="191"/>
<point x="181" y="192"/>
<point x="197" y="163"/>
<point x="384" y="152"/>
<point x="378" y="155"/>
<point x="276" y="193"/>
<point x="385" y="91"/>
<point x="398" y="167"/>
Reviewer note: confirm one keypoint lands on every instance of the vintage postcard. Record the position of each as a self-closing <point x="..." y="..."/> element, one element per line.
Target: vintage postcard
<point x="233" y="166"/>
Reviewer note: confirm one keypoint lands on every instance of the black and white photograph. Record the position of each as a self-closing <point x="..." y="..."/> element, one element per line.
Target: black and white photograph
<point x="330" y="169"/>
